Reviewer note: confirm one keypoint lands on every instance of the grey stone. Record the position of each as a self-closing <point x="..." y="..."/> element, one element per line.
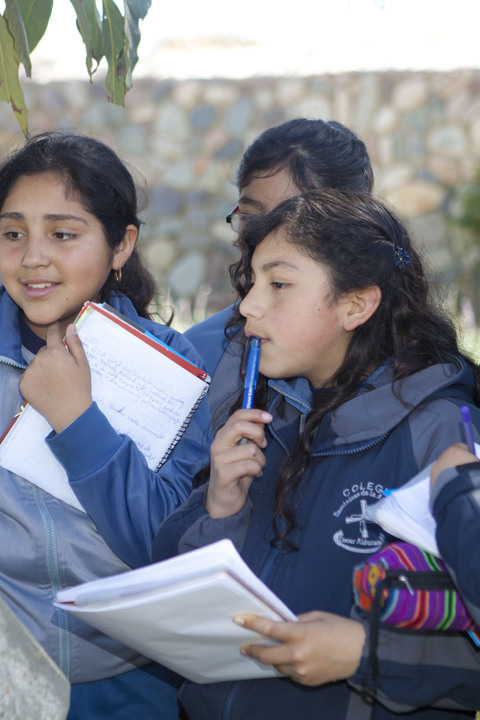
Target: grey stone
<point x="202" y="117"/>
<point x="102" y="114"/>
<point x="230" y="150"/>
<point x="448" y="140"/>
<point x="187" y="136"/>
<point x="239" y="117"/>
<point x="164" y="200"/>
<point x="188" y="275"/>
<point x="32" y="687"/>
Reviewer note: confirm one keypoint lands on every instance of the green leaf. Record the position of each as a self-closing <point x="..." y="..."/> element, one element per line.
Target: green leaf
<point x="115" y="52"/>
<point x="14" y="19"/>
<point x="10" y="90"/>
<point x="36" y="15"/>
<point x="89" y="26"/>
<point x="135" y="10"/>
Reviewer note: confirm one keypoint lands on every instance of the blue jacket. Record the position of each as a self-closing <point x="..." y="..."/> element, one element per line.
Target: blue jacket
<point x="374" y="441"/>
<point x="222" y="356"/>
<point x="455" y="503"/>
<point x="46" y="545"/>
<point x="114" y="478"/>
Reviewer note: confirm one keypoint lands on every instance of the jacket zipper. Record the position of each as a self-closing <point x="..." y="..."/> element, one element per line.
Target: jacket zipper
<point x="263" y="575"/>
<point x="12" y="363"/>
<point x="52" y="559"/>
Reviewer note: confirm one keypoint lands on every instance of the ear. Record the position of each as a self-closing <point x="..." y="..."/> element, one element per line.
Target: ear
<point x="123" y="251"/>
<point x="360" y="305"/>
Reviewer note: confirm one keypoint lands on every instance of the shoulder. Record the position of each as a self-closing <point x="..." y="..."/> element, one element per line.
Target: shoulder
<point x="211" y="328"/>
<point x="173" y="339"/>
<point x="209" y="338"/>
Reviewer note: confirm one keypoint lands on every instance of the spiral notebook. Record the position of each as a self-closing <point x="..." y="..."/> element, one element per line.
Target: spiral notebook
<point x="145" y="389"/>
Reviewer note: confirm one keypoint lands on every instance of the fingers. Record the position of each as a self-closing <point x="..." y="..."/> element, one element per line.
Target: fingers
<point x="279" y="654"/>
<point x="319" y="648"/>
<point x="54" y="342"/>
<point x="75" y="346"/>
<point x="278" y="631"/>
<point x="233" y="465"/>
<point x="451" y="457"/>
<point x="53" y="336"/>
<point x="56" y="375"/>
<point x="238" y="460"/>
<point x="247" y="424"/>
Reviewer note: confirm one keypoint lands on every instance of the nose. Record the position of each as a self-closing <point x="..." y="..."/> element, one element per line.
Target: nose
<point x="35" y="251"/>
<point x="251" y="305"/>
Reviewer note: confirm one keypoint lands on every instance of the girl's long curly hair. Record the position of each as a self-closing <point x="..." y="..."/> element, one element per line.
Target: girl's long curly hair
<point x="360" y="242"/>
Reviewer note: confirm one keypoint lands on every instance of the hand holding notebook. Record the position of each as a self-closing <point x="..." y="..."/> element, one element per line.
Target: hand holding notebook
<point x="145" y="389"/>
<point x="180" y="612"/>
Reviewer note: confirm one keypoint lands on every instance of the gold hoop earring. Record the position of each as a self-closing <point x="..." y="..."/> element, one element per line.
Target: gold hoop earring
<point x="118" y="276"/>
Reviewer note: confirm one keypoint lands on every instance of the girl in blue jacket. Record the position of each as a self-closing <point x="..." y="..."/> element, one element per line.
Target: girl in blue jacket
<point x="361" y="386"/>
<point x="283" y="161"/>
<point x="68" y="231"/>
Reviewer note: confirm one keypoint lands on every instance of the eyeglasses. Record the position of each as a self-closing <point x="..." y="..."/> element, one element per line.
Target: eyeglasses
<point x="238" y="219"/>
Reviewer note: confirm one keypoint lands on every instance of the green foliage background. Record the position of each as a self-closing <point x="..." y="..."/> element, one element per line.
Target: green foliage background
<point x="108" y="35"/>
<point x="463" y="223"/>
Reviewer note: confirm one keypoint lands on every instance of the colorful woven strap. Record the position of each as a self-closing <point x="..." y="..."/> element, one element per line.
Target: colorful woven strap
<point x="417" y="591"/>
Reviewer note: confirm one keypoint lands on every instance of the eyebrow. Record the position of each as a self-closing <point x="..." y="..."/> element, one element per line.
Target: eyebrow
<point x="50" y="216"/>
<point x="245" y="200"/>
<point x="278" y="263"/>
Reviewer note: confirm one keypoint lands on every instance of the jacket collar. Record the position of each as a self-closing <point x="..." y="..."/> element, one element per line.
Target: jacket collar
<point x="371" y="415"/>
<point x="11" y="351"/>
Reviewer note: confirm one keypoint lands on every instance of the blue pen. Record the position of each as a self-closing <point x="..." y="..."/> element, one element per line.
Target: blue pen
<point x="468" y="429"/>
<point x="251" y="375"/>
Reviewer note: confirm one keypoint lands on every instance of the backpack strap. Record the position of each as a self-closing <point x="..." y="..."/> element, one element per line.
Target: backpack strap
<point x="358" y="708"/>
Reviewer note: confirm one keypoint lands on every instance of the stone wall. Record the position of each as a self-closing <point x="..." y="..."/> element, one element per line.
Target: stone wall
<point x="186" y="138"/>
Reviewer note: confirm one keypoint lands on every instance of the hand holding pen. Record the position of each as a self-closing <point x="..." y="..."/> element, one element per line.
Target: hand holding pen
<point x="459" y="453"/>
<point x="468" y="429"/>
<point x="237" y="452"/>
<point x="455" y="456"/>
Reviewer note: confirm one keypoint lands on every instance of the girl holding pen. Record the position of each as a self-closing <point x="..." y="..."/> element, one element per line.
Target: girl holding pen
<point x="361" y="381"/>
<point x="68" y="232"/>
<point x="283" y="161"/>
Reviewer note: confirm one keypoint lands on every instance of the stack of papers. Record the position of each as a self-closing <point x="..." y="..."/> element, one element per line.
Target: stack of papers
<point x="180" y="612"/>
<point x="405" y="513"/>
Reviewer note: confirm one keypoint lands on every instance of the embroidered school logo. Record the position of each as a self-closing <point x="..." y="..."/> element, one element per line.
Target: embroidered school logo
<point x="358" y="534"/>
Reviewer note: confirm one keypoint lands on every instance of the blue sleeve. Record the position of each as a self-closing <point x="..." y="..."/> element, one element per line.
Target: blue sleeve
<point x="191" y="527"/>
<point x="455" y="505"/>
<point x="126" y="500"/>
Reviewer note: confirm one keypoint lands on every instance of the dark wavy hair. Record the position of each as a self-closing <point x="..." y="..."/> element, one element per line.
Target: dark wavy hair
<point x="360" y="242"/>
<point x="94" y="174"/>
<point x="316" y="153"/>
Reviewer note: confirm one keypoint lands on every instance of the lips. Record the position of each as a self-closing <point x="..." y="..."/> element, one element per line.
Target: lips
<point x="37" y="289"/>
<point x="249" y="333"/>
